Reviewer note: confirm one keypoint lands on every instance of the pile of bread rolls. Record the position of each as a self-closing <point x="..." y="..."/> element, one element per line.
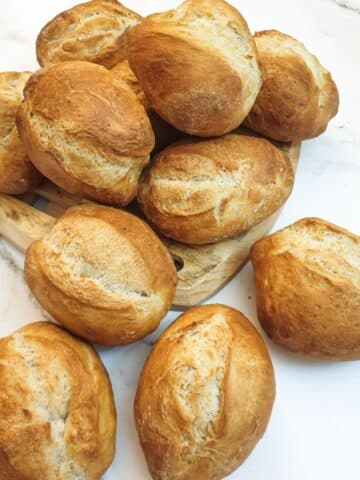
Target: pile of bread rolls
<point x="127" y="107"/>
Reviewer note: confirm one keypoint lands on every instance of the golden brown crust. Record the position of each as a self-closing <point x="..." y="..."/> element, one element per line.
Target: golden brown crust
<point x="103" y="274"/>
<point x="205" y="395"/>
<point x="94" y="31"/>
<point x="203" y="191"/>
<point x="57" y="412"/>
<point x="17" y="173"/>
<point x="298" y="96"/>
<point x="307" y="279"/>
<point x="124" y="74"/>
<point x="85" y="132"/>
<point x="164" y="133"/>
<point x="197" y="65"/>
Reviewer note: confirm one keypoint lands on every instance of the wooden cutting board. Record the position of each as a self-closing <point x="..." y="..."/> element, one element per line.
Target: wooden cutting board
<point x="202" y="270"/>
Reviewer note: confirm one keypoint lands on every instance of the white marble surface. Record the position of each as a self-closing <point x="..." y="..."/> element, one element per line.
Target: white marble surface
<point x="314" y="430"/>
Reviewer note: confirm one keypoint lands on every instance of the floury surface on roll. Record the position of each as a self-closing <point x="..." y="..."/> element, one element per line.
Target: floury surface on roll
<point x="93" y="31"/>
<point x="57" y="412"/>
<point x="17" y="173"/>
<point x="87" y="133"/>
<point x="204" y="191"/>
<point x="197" y="65"/>
<point x="298" y="96"/>
<point x="164" y="133"/>
<point x="103" y="274"/>
<point x="205" y="395"/>
<point x="307" y="279"/>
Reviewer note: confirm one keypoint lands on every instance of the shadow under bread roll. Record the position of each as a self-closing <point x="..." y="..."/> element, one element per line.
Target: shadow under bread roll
<point x="17" y="173"/>
<point x="203" y="191"/>
<point x="57" y="411"/>
<point x="164" y="133"/>
<point x="93" y="31"/>
<point x="298" y="97"/>
<point x="103" y="274"/>
<point x="307" y="279"/>
<point x="87" y="133"/>
<point x="197" y="65"/>
<point x="205" y="395"/>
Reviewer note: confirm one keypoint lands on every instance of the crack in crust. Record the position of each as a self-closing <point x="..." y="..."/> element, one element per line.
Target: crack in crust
<point x="57" y="413"/>
<point x="204" y="396"/>
<point x="94" y="31"/>
<point x="307" y="279"/>
<point x="87" y="272"/>
<point x="205" y="191"/>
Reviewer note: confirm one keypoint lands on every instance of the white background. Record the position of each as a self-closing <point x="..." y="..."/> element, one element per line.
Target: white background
<point x="314" y="430"/>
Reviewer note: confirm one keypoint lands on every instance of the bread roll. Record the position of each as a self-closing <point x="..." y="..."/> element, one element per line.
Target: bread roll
<point x="197" y="65"/>
<point x="298" y="96"/>
<point x="205" y="395"/>
<point x="85" y="132"/>
<point x="17" y="173"/>
<point x="93" y="31"/>
<point x="57" y="412"/>
<point x="203" y="191"/>
<point x="103" y="274"/>
<point x="164" y="133"/>
<point x="307" y="279"/>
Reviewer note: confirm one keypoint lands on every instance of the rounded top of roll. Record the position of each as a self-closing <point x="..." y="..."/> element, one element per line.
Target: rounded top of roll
<point x="298" y="96"/>
<point x="197" y="65"/>
<point x="205" y="395"/>
<point x="307" y="278"/>
<point x="57" y="412"/>
<point x="102" y="273"/>
<point x="85" y="131"/>
<point x="203" y="191"/>
<point x="92" y="31"/>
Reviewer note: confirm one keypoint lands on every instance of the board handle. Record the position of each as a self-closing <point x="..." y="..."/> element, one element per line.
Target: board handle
<point x="20" y="223"/>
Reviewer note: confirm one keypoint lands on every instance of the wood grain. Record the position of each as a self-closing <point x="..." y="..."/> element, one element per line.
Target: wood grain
<point x="202" y="270"/>
<point x="20" y="223"/>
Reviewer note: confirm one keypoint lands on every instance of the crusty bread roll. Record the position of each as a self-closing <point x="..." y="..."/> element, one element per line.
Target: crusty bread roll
<point x="197" y="65"/>
<point x="103" y="274"/>
<point x="17" y="173"/>
<point x="164" y="133"/>
<point x="298" y="96"/>
<point x="203" y="191"/>
<point x="205" y="395"/>
<point x="307" y="279"/>
<point x="57" y="412"/>
<point x="85" y="132"/>
<point x="94" y="31"/>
